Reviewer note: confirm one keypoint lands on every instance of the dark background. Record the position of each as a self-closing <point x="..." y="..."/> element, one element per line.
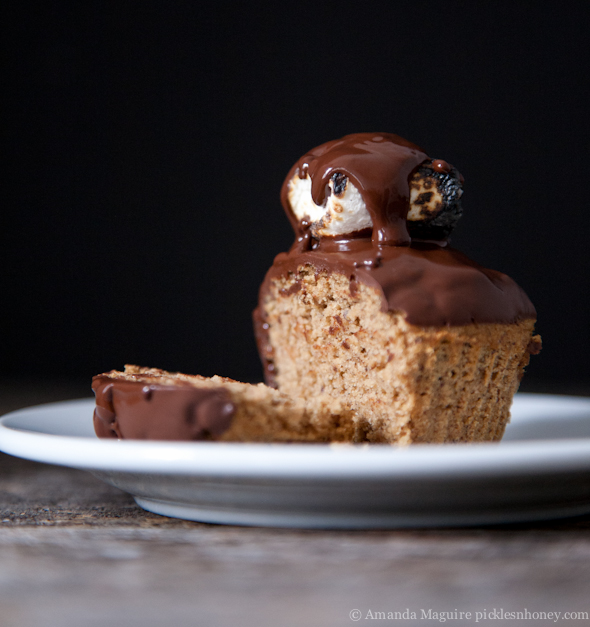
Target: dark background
<point x="146" y="144"/>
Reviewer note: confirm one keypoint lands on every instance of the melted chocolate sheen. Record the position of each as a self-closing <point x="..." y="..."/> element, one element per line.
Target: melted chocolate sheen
<point x="148" y="411"/>
<point x="431" y="285"/>
<point x="379" y="165"/>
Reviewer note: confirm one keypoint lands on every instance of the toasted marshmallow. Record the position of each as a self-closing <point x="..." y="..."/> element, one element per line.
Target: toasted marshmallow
<point x="435" y="201"/>
<point x="426" y="197"/>
<point x="426" y="201"/>
<point x="344" y="211"/>
<point x="434" y="204"/>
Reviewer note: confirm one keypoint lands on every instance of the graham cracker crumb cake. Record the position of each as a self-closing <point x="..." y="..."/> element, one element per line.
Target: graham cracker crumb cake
<point x="371" y="328"/>
<point x="149" y="403"/>
<point x="374" y="308"/>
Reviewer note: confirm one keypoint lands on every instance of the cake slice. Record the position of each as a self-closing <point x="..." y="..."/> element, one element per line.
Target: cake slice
<point x="152" y="404"/>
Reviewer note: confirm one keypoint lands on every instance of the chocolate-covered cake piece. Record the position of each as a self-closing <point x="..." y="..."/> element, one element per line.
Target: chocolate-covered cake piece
<point x="374" y="308"/>
<point x="152" y="404"/>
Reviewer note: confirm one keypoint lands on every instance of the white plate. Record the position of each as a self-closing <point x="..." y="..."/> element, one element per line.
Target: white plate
<point x="540" y="470"/>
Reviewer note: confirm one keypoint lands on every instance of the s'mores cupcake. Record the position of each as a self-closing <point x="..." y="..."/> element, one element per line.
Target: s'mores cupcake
<point x="373" y="308"/>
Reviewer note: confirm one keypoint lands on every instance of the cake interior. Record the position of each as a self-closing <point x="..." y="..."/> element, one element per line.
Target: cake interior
<point x="402" y="383"/>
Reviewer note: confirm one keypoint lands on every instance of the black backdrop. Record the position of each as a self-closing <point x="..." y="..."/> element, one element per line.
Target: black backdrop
<point x="146" y="144"/>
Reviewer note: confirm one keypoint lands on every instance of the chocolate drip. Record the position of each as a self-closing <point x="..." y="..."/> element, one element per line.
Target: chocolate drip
<point x="440" y="165"/>
<point x="429" y="284"/>
<point x="147" y="411"/>
<point x="379" y="165"/>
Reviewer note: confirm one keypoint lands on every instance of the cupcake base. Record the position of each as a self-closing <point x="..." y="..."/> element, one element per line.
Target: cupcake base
<point x="402" y="383"/>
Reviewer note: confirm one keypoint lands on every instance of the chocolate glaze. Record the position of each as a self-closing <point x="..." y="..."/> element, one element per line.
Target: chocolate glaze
<point x="430" y="283"/>
<point x="379" y="165"/>
<point x="141" y="410"/>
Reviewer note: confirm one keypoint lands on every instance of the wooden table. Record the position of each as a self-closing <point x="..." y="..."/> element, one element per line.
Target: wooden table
<point x="77" y="552"/>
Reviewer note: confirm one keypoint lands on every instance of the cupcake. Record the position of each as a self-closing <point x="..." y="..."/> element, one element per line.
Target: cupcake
<point x="373" y="308"/>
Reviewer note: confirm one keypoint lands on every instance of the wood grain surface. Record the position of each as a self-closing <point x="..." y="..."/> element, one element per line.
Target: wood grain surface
<point x="75" y="551"/>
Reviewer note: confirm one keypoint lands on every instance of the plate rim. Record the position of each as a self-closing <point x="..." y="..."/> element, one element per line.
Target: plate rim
<point x="301" y="461"/>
